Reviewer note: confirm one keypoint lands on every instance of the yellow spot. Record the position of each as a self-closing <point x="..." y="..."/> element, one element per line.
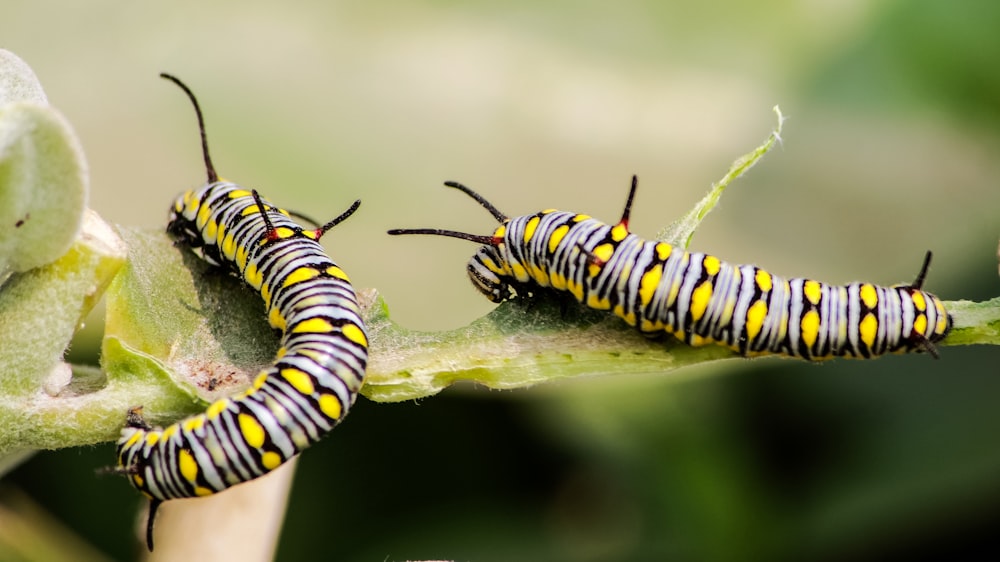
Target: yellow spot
<point x="192" y="206"/>
<point x="557" y="237"/>
<point x="755" y="319"/>
<point x="229" y="246"/>
<point x="492" y="266"/>
<point x="299" y="380"/>
<point x="355" y="334"/>
<point x="920" y="324"/>
<point x="253" y="276"/>
<point x="203" y="214"/>
<point x="334" y="271"/>
<point x="252" y="431"/>
<point x="275" y="319"/>
<point x="314" y="355"/>
<point x="578" y="218"/>
<point x="240" y="193"/>
<point x="299" y="275"/>
<point x="539" y="275"/>
<point x="663" y="250"/>
<point x="711" y="265"/>
<point x="942" y="323"/>
<point x="648" y="284"/>
<point x="764" y="280"/>
<point x="138" y="479"/>
<point x="604" y="252"/>
<point x="133" y="440"/>
<point x="284" y="232"/>
<point x="918" y="300"/>
<point x="217" y="408"/>
<point x="330" y="406"/>
<point x="629" y="318"/>
<point x="171" y="431"/>
<point x="270" y="460"/>
<point x="241" y="257"/>
<point x="812" y="291"/>
<point x="282" y="351"/>
<point x="500" y="232"/>
<point x="202" y="491"/>
<point x="575" y="289"/>
<point x="265" y="292"/>
<point x="697" y="340"/>
<point x="192" y="423"/>
<point x="312" y="326"/>
<point x="867" y="329"/>
<point x="529" y="228"/>
<point x="557" y="281"/>
<point x="868" y="295"/>
<point x="699" y="300"/>
<point x="259" y="380"/>
<point x="310" y="234"/>
<point x="809" y="328"/>
<point x="594" y="301"/>
<point x="187" y="465"/>
<point x="619" y="232"/>
<point x="519" y="272"/>
<point x="211" y="230"/>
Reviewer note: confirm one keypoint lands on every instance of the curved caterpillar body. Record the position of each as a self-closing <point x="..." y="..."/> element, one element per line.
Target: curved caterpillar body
<point x="292" y="403"/>
<point x="656" y="288"/>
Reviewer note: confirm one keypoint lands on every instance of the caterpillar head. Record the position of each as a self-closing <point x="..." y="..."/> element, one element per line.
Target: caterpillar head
<point x="490" y="274"/>
<point x="488" y="269"/>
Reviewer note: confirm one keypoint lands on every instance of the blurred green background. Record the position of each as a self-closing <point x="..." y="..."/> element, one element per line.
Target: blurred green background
<point x="890" y="149"/>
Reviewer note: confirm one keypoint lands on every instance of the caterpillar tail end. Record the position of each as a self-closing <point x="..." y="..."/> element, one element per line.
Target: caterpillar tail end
<point x="154" y="504"/>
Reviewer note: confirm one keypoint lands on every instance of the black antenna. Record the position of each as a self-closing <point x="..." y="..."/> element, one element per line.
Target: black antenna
<point x="212" y="176"/>
<point x="477" y="238"/>
<point x="500" y="217"/>
<point x="272" y="234"/>
<point x="919" y="281"/>
<point x="343" y="216"/>
<point x="628" y="202"/>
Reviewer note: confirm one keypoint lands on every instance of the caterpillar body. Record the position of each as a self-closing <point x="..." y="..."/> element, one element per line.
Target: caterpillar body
<point x="656" y="288"/>
<point x="293" y="402"/>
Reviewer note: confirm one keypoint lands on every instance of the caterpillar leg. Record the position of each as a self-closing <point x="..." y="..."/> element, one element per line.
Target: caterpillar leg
<point x="927" y="345"/>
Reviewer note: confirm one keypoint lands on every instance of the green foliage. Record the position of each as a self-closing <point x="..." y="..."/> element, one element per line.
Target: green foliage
<point x="57" y="259"/>
<point x="43" y="180"/>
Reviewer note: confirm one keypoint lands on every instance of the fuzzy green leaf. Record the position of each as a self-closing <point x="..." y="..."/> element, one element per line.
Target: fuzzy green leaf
<point x="41" y="310"/>
<point x="680" y="232"/>
<point x="18" y="82"/>
<point x="43" y="186"/>
<point x="204" y="330"/>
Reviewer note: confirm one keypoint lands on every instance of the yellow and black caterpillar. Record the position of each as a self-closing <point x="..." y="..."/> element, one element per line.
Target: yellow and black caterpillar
<point x="656" y="288"/>
<point x="292" y="403"/>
